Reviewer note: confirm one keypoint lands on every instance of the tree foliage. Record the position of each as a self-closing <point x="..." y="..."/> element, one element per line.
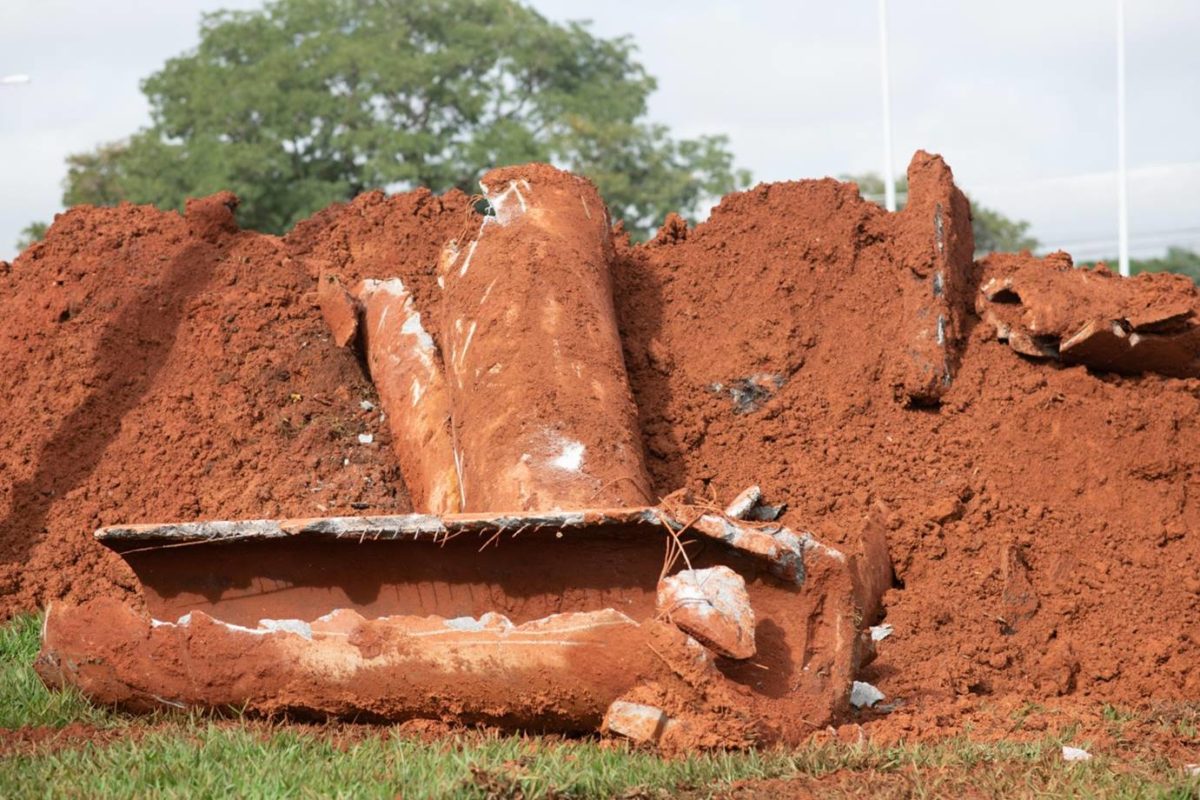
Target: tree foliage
<point x="1177" y="259"/>
<point x="31" y="234"/>
<point x="993" y="231"/>
<point x="1180" y="260"/>
<point x="307" y="102"/>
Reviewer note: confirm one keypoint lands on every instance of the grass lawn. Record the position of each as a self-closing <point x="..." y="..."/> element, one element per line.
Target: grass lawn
<point x="99" y="753"/>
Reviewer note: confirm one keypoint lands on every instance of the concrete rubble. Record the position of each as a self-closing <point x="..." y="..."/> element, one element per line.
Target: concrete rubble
<point x="1048" y="309"/>
<point x="864" y="695"/>
<point x="712" y="606"/>
<point x="636" y="721"/>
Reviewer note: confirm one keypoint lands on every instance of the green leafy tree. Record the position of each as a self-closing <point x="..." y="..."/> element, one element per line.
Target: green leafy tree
<point x="993" y="231"/>
<point x="1177" y="259"/>
<point x="31" y="234"/>
<point x="307" y="102"/>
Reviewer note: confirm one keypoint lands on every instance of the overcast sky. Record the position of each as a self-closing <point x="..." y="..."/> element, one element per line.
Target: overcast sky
<point x="1019" y="96"/>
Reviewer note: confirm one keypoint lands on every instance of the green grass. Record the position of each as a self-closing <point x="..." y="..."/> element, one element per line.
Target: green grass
<point x="24" y="699"/>
<point x="193" y="756"/>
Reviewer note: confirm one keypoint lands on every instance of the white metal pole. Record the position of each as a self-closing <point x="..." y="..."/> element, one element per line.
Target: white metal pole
<point x="889" y="184"/>
<point x="1122" y="172"/>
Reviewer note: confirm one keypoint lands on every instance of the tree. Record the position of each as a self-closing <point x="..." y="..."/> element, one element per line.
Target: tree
<point x="993" y="231"/>
<point x="996" y="232"/>
<point x="307" y="102"/>
<point x="1177" y="259"/>
<point x="1180" y="260"/>
<point x="31" y="234"/>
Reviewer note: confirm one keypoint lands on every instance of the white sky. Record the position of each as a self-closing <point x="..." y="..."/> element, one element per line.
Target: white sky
<point x="1019" y="96"/>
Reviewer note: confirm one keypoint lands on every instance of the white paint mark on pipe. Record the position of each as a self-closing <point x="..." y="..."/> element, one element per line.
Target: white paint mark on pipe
<point x="412" y="327"/>
<point x="488" y="291"/>
<point x="462" y="356"/>
<point x="470" y="254"/>
<point x="571" y="457"/>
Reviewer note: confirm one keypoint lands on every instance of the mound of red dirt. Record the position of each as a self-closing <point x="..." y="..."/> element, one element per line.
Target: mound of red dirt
<point x="159" y="366"/>
<point x="1043" y="517"/>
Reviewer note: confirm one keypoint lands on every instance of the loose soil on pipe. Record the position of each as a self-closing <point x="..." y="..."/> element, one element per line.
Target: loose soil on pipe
<point x="178" y="367"/>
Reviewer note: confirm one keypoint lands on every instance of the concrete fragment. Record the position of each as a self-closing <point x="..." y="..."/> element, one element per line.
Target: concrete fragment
<point x="711" y="605"/>
<point x="871" y="569"/>
<point x="751" y="392"/>
<point x="1072" y="754"/>
<point x="766" y="513"/>
<point x="938" y="246"/>
<point x="1117" y="346"/>
<point x="399" y="666"/>
<point x="864" y="695"/>
<point x="406" y="369"/>
<point x="1046" y="308"/>
<point x="339" y="308"/>
<point x="641" y="723"/>
<point x="742" y="504"/>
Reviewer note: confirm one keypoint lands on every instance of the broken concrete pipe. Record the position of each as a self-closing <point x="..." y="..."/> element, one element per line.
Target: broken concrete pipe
<point x="488" y="619"/>
<point x="524" y="415"/>
<point x="542" y="410"/>
<point x="1046" y="308"/>
<point x="406" y="371"/>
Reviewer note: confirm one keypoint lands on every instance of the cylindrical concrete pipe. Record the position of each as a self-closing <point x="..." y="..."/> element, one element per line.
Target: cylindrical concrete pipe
<point x="543" y="416"/>
<point x="556" y="674"/>
<point x="407" y="373"/>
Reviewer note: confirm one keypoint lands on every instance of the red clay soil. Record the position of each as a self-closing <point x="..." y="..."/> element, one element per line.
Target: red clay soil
<point x="1043" y="517"/>
<point x="156" y="366"/>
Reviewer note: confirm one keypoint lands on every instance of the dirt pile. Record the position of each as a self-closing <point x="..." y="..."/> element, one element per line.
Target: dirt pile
<point x="1043" y="517"/>
<point x="161" y="366"/>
